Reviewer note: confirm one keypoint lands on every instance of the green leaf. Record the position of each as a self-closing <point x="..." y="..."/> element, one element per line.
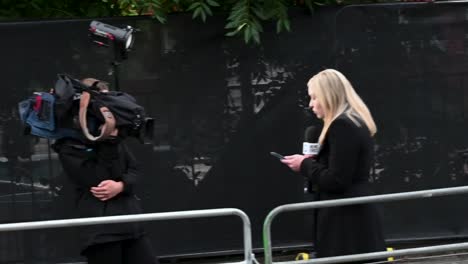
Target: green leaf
<point x="196" y="13"/>
<point x="212" y="3"/>
<point x="310" y="5"/>
<point x="203" y="16"/>
<point x="259" y="13"/>
<point x="207" y="9"/>
<point x="161" y="19"/>
<point x="287" y="24"/>
<point x="232" y="33"/>
<point x="232" y="24"/>
<point x="193" y="6"/>
<point x="256" y="36"/>
<point x="239" y="28"/>
<point x="278" y="26"/>
<point x="157" y="4"/>
<point x="247" y="34"/>
<point x="160" y="16"/>
<point x="238" y="11"/>
<point x="257" y="25"/>
<point x="236" y="16"/>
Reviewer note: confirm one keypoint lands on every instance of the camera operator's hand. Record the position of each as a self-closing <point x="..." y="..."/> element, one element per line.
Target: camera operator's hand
<point x="107" y="189"/>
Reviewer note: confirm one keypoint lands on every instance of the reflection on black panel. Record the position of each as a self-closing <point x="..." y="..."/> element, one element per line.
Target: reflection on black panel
<point x="409" y="63"/>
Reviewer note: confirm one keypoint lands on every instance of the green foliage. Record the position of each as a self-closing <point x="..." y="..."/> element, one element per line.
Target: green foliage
<point x="34" y="9"/>
<point x="244" y="17"/>
<point x="202" y="8"/>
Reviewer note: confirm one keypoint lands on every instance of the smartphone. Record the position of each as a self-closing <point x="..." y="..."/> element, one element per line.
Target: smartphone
<point x="277" y="155"/>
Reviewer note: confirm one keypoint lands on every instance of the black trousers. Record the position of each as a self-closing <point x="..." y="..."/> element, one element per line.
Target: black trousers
<point x="130" y="251"/>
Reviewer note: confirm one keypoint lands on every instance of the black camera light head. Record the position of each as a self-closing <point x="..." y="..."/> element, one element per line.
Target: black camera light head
<point x="106" y="35"/>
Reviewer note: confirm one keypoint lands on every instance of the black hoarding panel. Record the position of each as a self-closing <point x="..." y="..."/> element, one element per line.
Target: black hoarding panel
<point x="409" y="63"/>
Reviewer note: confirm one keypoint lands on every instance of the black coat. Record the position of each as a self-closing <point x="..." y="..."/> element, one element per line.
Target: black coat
<point x="88" y="165"/>
<point x="341" y="170"/>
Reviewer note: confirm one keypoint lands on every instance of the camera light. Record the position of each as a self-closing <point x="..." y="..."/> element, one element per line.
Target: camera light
<point x="106" y="33"/>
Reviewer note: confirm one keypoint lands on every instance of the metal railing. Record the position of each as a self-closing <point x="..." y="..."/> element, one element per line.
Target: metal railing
<point x="248" y="254"/>
<point x="361" y="200"/>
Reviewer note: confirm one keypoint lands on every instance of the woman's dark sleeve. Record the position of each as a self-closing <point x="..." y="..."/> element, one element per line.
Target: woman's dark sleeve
<point x="344" y="147"/>
<point x="131" y="171"/>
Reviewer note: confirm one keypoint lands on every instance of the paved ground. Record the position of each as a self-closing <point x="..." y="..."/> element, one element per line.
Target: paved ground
<point x="446" y="258"/>
<point x="455" y="257"/>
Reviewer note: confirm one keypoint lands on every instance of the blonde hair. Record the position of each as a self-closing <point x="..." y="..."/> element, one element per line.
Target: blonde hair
<point x="101" y="85"/>
<point x="337" y="96"/>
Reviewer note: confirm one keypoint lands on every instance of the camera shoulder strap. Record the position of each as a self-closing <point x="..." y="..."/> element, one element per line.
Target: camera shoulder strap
<point x="107" y="129"/>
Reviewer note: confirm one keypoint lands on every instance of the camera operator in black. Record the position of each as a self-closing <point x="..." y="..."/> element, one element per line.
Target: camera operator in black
<point x="104" y="174"/>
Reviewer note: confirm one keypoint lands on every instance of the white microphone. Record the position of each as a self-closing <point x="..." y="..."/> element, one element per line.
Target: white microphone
<point x="310" y="145"/>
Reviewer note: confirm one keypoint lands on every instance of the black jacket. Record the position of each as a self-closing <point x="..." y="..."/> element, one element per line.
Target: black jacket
<point x="88" y="165"/>
<point x="341" y="170"/>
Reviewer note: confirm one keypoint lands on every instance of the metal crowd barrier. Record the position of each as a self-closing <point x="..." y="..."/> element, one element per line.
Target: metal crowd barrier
<point x="248" y="255"/>
<point x="361" y="200"/>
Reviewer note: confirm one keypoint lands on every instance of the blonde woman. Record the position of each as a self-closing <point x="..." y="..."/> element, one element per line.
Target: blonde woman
<point x="341" y="168"/>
